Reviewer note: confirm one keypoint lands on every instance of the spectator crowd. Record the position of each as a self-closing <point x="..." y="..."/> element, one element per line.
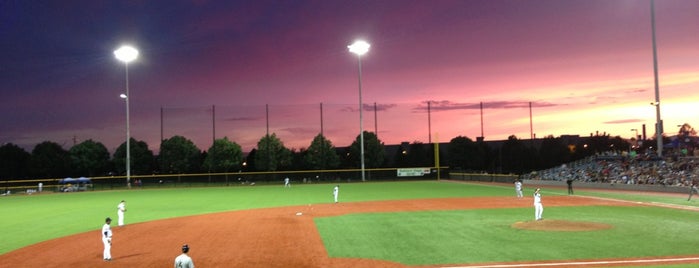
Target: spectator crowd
<point x="623" y="168"/>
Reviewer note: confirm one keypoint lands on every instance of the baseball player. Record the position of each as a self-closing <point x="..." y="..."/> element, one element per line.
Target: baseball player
<point x="692" y="190"/>
<point x="569" y="181"/>
<point x="107" y="239"/>
<point x="336" y="191"/>
<point x="518" y="188"/>
<point x="538" y="207"/>
<point x="121" y="208"/>
<point x="183" y="260"/>
<point x="287" y="183"/>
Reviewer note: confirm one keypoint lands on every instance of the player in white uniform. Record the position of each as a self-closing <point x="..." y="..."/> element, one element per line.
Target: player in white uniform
<point x="518" y="188"/>
<point x="336" y="191"/>
<point x="107" y="239"/>
<point x="287" y="183"/>
<point x="121" y="208"/>
<point x="538" y="207"/>
<point x="183" y="260"/>
<point x="692" y="190"/>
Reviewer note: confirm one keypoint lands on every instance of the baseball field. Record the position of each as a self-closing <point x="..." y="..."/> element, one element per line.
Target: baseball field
<point x="375" y="224"/>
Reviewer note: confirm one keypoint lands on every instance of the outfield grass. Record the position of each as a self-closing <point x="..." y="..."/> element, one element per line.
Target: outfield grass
<point x="442" y="236"/>
<point x="28" y="219"/>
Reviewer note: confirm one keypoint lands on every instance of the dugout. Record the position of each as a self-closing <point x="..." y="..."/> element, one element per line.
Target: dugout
<point x="74" y="184"/>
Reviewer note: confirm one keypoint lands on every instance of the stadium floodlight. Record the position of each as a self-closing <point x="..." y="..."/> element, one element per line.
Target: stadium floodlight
<point x="127" y="54"/>
<point x="360" y="48"/>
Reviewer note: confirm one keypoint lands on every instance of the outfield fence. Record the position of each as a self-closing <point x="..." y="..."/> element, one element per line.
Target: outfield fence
<point x="221" y="179"/>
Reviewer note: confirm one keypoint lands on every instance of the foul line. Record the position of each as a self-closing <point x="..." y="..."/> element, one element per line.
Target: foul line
<point x="579" y="263"/>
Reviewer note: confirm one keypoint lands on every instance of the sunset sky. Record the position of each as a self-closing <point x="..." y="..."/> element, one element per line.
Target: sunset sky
<point x="586" y="66"/>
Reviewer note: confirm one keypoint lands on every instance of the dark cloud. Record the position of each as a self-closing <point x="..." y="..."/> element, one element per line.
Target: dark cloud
<point x="242" y="119"/>
<point x="624" y="121"/>
<point x="371" y="107"/>
<point x="445" y="105"/>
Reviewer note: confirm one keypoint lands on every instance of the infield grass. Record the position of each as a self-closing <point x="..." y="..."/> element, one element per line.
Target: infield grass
<point x="486" y="235"/>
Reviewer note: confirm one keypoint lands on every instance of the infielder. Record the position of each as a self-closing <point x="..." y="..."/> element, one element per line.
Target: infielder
<point x="336" y="191"/>
<point x="107" y="239"/>
<point x="287" y="183"/>
<point x="538" y="207"/>
<point x="183" y="260"/>
<point x="518" y="188"/>
<point x="121" y="208"/>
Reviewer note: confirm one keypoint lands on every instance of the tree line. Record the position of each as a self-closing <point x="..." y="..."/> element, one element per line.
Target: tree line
<point x="179" y="155"/>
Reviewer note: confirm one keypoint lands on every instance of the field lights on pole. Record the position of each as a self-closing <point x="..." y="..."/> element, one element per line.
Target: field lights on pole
<point x="360" y="48"/>
<point x="127" y="54"/>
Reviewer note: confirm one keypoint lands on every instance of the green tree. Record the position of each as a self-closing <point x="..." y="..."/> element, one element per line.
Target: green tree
<point x="223" y="156"/>
<point x="374" y="152"/>
<point x="321" y="154"/>
<point x="89" y="158"/>
<point x="271" y="154"/>
<point x="142" y="159"/>
<point x="13" y="161"/>
<point x="49" y="160"/>
<point x="179" y="155"/>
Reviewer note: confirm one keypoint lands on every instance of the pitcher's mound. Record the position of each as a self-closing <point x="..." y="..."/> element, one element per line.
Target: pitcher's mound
<point x="561" y="225"/>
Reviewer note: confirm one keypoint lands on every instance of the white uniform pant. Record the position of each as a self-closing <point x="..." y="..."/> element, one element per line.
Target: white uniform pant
<point x="107" y="254"/>
<point x="120" y="215"/>
<point x="538" y="211"/>
<point x="335" y="195"/>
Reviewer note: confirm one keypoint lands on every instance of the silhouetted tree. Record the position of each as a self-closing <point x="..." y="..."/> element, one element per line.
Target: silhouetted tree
<point x="420" y="155"/>
<point x="518" y="158"/>
<point x="374" y="152"/>
<point x="321" y="154"/>
<point x="271" y="154"/>
<point x="142" y="159"/>
<point x="13" y="162"/>
<point x="49" y="160"/>
<point x="223" y="156"/>
<point x="179" y="155"/>
<point x="464" y="154"/>
<point x="553" y="152"/>
<point x="89" y="158"/>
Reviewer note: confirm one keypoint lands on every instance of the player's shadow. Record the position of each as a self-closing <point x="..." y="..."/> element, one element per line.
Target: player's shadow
<point x="131" y="256"/>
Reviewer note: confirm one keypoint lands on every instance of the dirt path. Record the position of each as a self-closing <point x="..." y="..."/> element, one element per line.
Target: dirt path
<point x="274" y="237"/>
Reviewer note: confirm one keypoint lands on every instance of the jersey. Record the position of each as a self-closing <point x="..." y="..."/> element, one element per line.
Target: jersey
<point x="106" y="231"/>
<point x="537" y="198"/>
<point x="183" y="261"/>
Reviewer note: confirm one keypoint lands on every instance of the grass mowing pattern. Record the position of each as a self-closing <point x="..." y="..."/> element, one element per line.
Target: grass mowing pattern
<point x="473" y="236"/>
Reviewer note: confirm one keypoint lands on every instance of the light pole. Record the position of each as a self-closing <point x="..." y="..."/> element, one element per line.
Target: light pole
<point x="127" y="54"/>
<point x="658" y="121"/>
<point x="360" y="48"/>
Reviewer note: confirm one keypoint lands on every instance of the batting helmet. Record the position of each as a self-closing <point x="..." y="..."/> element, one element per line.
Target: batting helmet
<point x="185" y="248"/>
